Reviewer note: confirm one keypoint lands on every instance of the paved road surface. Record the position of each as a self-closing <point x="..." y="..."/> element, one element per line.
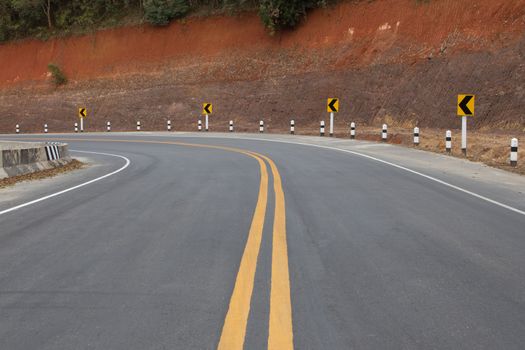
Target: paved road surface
<point x="203" y="248"/>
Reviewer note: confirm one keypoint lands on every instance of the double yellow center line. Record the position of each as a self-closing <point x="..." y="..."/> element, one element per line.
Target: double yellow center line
<point x="280" y="333"/>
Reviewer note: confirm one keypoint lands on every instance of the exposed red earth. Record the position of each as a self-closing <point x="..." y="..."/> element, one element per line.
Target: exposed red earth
<point x="396" y="61"/>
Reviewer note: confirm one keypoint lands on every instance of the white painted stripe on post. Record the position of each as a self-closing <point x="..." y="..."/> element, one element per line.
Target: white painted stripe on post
<point x="448" y="140"/>
<point x="514" y="152"/>
<point x="416" y="136"/>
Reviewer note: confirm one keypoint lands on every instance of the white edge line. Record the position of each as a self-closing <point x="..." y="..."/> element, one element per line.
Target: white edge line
<point x="128" y="162"/>
<point x="457" y="188"/>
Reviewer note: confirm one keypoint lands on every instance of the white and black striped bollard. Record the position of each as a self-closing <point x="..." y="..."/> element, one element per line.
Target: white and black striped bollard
<point x="384" y="133"/>
<point x="199" y="125"/>
<point x="17" y="129"/>
<point x="231" y="126"/>
<point x="292" y="127"/>
<point x="76" y="127"/>
<point x="168" y="125"/>
<point x="448" y="141"/>
<point x="416" y="136"/>
<point x="138" y="126"/>
<point x="321" y="131"/>
<point x="352" y="130"/>
<point x="108" y="126"/>
<point x="261" y="126"/>
<point x="45" y="128"/>
<point x="514" y="152"/>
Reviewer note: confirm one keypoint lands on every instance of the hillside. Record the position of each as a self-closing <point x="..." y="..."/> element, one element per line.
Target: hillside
<point x="402" y="61"/>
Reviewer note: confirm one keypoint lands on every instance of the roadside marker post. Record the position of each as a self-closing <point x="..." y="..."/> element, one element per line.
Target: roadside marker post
<point x="448" y="141"/>
<point x="465" y="106"/>
<point x="138" y="126"/>
<point x="169" y="125"/>
<point x="321" y="131"/>
<point x="514" y="152"/>
<point x="292" y="127"/>
<point x="199" y="125"/>
<point x="108" y="126"/>
<point x="231" y="125"/>
<point x="17" y="129"/>
<point x="464" y="135"/>
<point x="416" y="136"/>
<point x="384" y="133"/>
<point x="45" y="128"/>
<point x="82" y="113"/>
<point x="261" y="126"/>
<point x="331" y="124"/>
<point x="207" y="109"/>
<point x="332" y="106"/>
<point x="76" y="127"/>
<point x="352" y="130"/>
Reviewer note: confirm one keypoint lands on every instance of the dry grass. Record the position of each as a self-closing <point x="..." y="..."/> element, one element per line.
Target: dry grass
<point x="10" y="181"/>
<point x="488" y="148"/>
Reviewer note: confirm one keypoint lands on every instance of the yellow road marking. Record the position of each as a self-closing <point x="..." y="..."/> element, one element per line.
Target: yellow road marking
<point x="280" y="335"/>
<point x="233" y="334"/>
<point x="234" y="329"/>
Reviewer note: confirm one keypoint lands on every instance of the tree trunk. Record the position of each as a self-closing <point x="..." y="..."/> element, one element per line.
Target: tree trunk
<point x="47" y="10"/>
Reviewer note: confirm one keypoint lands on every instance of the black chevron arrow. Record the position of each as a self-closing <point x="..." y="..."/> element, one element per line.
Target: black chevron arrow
<point x="83" y="112"/>
<point x="207" y="108"/>
<point x="463" y="105"/>
<point x="331" y="105"/>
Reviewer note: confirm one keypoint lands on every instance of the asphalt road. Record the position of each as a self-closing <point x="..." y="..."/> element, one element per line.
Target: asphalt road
<point x="191" y="247"/>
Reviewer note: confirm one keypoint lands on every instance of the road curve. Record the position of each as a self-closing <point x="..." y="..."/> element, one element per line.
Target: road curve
<point x="205" y="243"/>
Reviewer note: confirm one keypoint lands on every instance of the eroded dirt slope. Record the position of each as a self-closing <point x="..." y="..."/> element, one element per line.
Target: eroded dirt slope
<point x="401" y="61"/>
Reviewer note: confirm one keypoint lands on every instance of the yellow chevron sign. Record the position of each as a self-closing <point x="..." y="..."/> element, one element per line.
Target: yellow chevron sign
<point x="332" y="106"/>
<point x="207" y="108"/>
<point x="466" y="104"/>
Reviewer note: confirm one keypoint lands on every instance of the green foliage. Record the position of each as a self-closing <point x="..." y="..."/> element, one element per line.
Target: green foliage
<point x="45" y="18"/>
<point x="58" y="76"/>
<point x="285" y="14"/>
<point x="161" y="12"/>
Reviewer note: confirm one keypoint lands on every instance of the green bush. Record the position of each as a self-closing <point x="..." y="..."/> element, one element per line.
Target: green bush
<point x="56" y="73"/>
<point x="285" y="14"/>
<point x="161" y="12"/>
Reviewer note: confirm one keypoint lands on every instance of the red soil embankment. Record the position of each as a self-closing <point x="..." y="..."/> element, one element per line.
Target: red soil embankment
<point x="357" y="34"/>
<point x="402" y="62"/>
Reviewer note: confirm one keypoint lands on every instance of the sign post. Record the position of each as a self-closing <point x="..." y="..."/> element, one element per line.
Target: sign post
<point x="82" y="113"/>
<point x="207" y="109"/>
<point x="466" y="104"/>
<point x="332" y="106"/>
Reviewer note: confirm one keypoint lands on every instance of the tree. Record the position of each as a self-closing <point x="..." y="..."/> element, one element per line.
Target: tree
<point x="161" y="12"/>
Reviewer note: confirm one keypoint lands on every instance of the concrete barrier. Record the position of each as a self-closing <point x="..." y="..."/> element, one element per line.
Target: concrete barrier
<point x="19" y="158"/>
